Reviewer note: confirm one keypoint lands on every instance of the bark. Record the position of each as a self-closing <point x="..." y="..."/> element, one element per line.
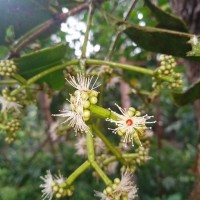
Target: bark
<point x="189" y="11"/>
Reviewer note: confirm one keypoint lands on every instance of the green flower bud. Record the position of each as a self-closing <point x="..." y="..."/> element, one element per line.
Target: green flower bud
<point x="114" y="186"/>
<point x="86" y="104"/>
<point x="69" y="193"/>
<point x="60" y="190"/>
<point x="86" y="113"/>
<point x="117" y="181"/>
<point x="108" y="189"/>
<point x="93" y="100"/>
<point x="55" y="188"/>
<point x="94" y="93"/>
<point x="138" y="113"/>
<point x="58" y="195"/>
<point x="84" y="96"/>
<point x="131" y="112"/>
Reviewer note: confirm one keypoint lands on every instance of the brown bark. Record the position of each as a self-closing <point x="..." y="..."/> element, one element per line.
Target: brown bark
<point x="189" y="10"/>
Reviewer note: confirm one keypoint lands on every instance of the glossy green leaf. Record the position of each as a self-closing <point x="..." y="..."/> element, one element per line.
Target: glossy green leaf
<point x="22" y="15"/>
<point x="33" y="63"/>
<point x="189" y="96"/>
<point x="161" y="40"/>
<point x="166" y="20"/>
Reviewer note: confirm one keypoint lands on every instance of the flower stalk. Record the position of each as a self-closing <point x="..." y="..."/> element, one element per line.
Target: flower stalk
<point x="102" y="112"/>
<point x="78" y="172"/>
<point x="89" y="62"/>
<point x="109" y="145"/>
<point x="91" y="159"/>
<point x="89" y="23"/>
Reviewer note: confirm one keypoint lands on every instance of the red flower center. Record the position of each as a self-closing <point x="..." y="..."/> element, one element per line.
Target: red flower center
<point x="129" y="122"/>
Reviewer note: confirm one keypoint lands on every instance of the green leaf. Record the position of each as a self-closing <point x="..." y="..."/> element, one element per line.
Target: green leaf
<point x="166" y="20"/>
<point x="3" y="51"/>
<point x="32" y="64"/>
<point x="189" y="96"/>
<point x="160" y="40"/>
<point x="22" y="15"/>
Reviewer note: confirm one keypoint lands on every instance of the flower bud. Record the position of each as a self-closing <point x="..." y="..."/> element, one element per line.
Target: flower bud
<point x="93" y="100"/>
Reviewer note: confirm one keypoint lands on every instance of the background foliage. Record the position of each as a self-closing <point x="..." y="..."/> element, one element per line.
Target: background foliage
<point x="169" y="175"/>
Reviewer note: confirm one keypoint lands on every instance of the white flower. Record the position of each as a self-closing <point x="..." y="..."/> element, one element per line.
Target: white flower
<point x="129" y="125"/>
<point x="75" y="116"/>
<point x="47" y="186"/>
<point x="59" y="179"/>
<point x="8" y="105"/>
<point x="75" y="113"/>
<point x="101" y="195"/>
<point x="74" y="120"/>
<point x="126" y="187"/>
<point x="49" y="183"/>
<point x="82" y="83"/>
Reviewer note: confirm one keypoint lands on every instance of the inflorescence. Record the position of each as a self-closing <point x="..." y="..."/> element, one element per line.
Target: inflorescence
<point x="167" y="68"/>
<point x="78" y="112"/>
<point x="7" y="68"/>
<point x="131" y="126"/>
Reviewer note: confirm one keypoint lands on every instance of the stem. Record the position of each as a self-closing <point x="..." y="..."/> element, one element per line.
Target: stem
<point x="117" y="35"/>
<point x="90" y="147"/>
<point x="113" y="158"/>
<point x="89" y="23"/>
<point x="77" y="172"/>
<point x="44" y="27"/>
<point x="117" y="154"/>
<point x="128" y="12"/>
<point x="113" y="45"/>
<point x="101" y="173"/>
<point x="91" y="158"/>
<point x="101" y="96"/>
<point x="19" y="78"/>
<point x="102" y="112"/>
<point x="89" y="62"/>
<point x="8" y="82"/>
<point x="42" y="74"/>
<point x="127" y="67"/>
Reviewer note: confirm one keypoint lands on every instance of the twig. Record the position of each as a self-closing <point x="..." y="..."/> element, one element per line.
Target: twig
<point x="116" y="37"/>
<point x="89" y="23"/>
<point x="38" y="30"/>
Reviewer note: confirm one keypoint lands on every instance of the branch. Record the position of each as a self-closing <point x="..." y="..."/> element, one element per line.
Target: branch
<point x="89" y="23"/>
<point x="44" y="27"/>
<point x="116" y="37"/>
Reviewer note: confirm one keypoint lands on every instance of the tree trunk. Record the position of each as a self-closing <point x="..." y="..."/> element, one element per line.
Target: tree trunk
<point x="189" y="11"/>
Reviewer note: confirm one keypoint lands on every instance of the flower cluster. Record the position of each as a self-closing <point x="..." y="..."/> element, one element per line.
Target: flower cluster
<point x="55" y="186"/>
<point x="141" y="156"/>
<point x="7" y="105"/>
<point x="167" y="68"/>
<point x="120" y="189"/>
<point x="78" y="112"/>
<point x="7" y="68"/>
<point x="131" y="125"/>
<point x="11" y="128"/>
